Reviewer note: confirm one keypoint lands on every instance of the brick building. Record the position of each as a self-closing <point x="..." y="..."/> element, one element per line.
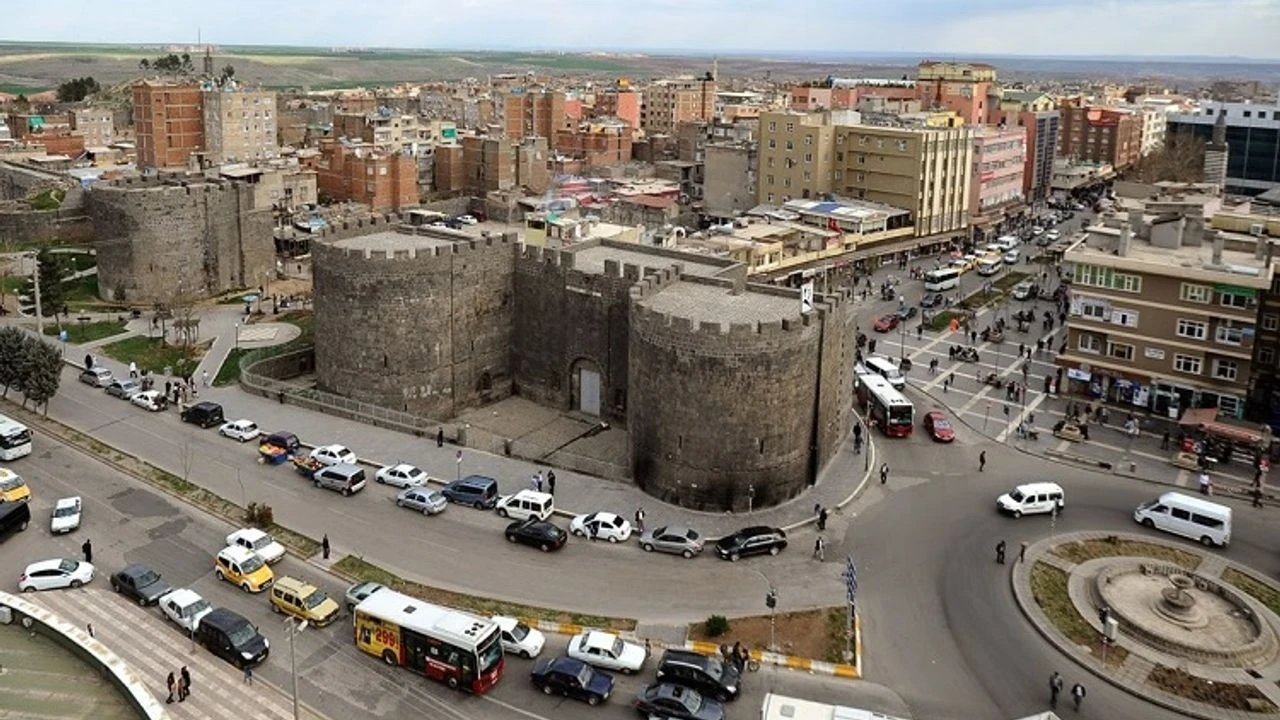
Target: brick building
<point x="960" y="87"/>
<point x="622" y="103"/>
<point x="168" y="119"/>
<point x="362" y="174"/>
<point x="599" y="143"/>
<point x="1100" y="135"/>
<point x="52" y="131"/>
<point x="239" y="125"/>
<point x="490" y="163"/>
<point x="667" y="103"/>
<point x="534" y="113"/>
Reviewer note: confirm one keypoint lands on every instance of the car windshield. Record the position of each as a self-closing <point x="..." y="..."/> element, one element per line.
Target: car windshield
<point x="520" y="632"/>
<point x="146" y="578"/>
<point x="242" y="634"/>
<point x="12" y="482"/>
<point x="68" y="511"/>
<point x="67" y="566"/>
<point x="250" y="564"/>
<point x="315" y="599"/>
<point x="196" y="608"/>
<point x="689" y="698"/>
<point x="1016" y="495"/>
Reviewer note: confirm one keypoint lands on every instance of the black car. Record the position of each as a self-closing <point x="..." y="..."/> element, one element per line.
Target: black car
<point x="230" y="636"/>
<point x="205" y="414"/>
<point x="537" y="533"/>
<point x="907" y="312"/>
<point x="756" y="540"/>
<point x="932" y="300"/>
<point x="709" y="675"/>
<point x="676" y="702"/>
<point x="572" y="678"/>
<point x="140" y="583"/>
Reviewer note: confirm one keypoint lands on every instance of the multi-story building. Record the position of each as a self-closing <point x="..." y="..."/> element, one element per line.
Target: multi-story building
<point x="386" y="129"/>
<point x="999" y="161"/>
<point x="1163" y="309"/>
<point x="168" y="119"/>
<point x="1005" y="105"/>
<point x="667" y="103"/>
<point x="54" y="132"/>
<point x="1042" y="146"/>
<point x="1263" y="405"/>
<point x="1154" y="124"/>
<point x="729" y="177"/>
<point x="361" y="173"/>
<point x="239" y="125"/>
<point x="490" y="163"/>
<point x="795" y="156"/>
<point x="1253" y="134"/>
<point x="534" y="113"/>
<point x="622" y="103"/>
<point x="603" y="142"/>
<point x="810" y="98"/>
<point x="1100" y="135"/>
<point x="959" y="87"/>
<point x="95" y="124"/>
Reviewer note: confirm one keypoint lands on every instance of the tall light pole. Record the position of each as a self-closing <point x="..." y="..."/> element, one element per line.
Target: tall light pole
<point x="771" y="602"/>
<point x="293" y="627"/>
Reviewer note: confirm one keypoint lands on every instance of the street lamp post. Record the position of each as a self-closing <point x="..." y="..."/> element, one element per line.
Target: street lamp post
<point x="751" y="498"/>
<point x="294" y="627"/>
<point x="771" y="602"/>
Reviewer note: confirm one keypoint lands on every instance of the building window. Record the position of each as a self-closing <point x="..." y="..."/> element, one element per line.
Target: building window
<point x="769" y="198"/>
<point x="790" y="145"/>
<point x="1127" y="318"/>
<point x="837" y="174"/>
<point x="862" y="159"/>
<point x="902" y="146"/>
<point x="1091" y="344"/>
<point x="1192" y="329"/>
<point x="1233" y="300"/>
<point x="773" y="127"/>
<point x="1093" y="310"/>
<point x="839" y="156"/>
<point x="1105" y="277"/>
<point x="1270" y="322"/>
<point x="1266" y="356"/>
<point x="808" y="139"/>
<point x="1225" y="369"/>
<point x="1196" y="293"/>
<point x="862" y="177"/>
<point x="786" y="182"/>
<point x="840" y="139"/>
<point x="1229" y="405"/>
<point x="770" y="163"/>
<point x="808" y="157"/>
<point x="1248" y="114"/>
<point x="773" y="143"/>
<point x="862" y="140"/>
<point x="1189" y="364"/>
<point x="769" y="179"/>
<point x="1229" y="334"/>
<point x="1120" y="351"/>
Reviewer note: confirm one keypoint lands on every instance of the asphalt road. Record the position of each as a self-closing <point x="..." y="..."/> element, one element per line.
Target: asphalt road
<point x="129" y="522"/>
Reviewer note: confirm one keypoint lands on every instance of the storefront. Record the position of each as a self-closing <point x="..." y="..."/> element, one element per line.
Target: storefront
<point x="1115" y="387"/>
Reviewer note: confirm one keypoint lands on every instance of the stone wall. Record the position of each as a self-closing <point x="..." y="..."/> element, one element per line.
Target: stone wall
<point x="426" y="332"/>
<point x="64" y="225"/>
<point x="157" y="242"/>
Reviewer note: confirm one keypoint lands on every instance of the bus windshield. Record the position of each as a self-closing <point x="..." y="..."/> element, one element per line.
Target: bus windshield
<point x="490" y="652"/>
<point x="13" y="435"/>
<point x="900" y="415"/>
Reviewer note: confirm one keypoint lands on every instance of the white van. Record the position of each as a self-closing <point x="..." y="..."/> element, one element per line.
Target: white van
<point x="526" y="504"/>
<point x="885" y="368"/>
<point x="1206" y="522"/>
<point x="1032" y="498"/>
<point x="1007" y="242"/>
<point x="989" y="266"/>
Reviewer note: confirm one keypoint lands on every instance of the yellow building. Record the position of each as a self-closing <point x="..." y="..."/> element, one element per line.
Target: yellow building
<point x="795" y="156"/>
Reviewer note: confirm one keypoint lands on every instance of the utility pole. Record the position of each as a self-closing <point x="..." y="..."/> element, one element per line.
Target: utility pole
<point x="35" y="276"/>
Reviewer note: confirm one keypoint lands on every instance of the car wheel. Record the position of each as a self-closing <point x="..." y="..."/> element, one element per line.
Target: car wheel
<point x="593" y="700"/>
<point x="774" y="550"/>
<point x="351" y="608"/>
<point x="722" y="696"/>
<point x="1017" y="514"/>
<point x="276" y="609"/>
<point x="346" y="492"/>
<point x="687" y="554"/>
<point x="115" y="587"/>
<point x="526" y="654"/>
<point x="511" y="538"/>
<point x="245" y="586"/>
<point x="29" y="589"/>
<point x="219" y="574"/>
<point x="648" y="547"/>
<point x="546" y="689"/>
<point x="578" y="533"/>
<point x="76" y="583"/>
<point x="399" y="503"/>
<point x="317" y="483"/>
<point x="452" y="683"/>
<point x="733" y="557"/>
<point x="1206" y="541"/>
<point x="613" y="538"/>
<point x="502" y="512"/>
<point x="142" y="602"/>
<point x="628" y="671"/>
<point x="380" y="481"/>
<point x="544" y="547"/>
<point x="1149" y="523"/>
<point x="478" y="505"/>
<point x="390" y="658"/>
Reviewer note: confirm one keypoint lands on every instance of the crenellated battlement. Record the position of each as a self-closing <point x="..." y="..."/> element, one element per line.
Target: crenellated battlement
<point x="545" y="256"/>
<point x="648" y="320"/>
<point x="654" y="282"/>
<point x="490" y="244"/>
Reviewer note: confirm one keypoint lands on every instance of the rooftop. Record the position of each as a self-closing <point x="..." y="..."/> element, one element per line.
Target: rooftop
<point x="392" y="242"/>
<point x="1234" y="265"/>
<point x="711" y="303"/>
<point x="591" y="260"/>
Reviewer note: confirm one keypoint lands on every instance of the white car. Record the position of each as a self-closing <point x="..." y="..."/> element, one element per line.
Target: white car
<point x="1053" y="234"/>
<point x="153" y="400"/>
<point x="66" y="515"/>
<point x="333" y="455"/>
<point x="601" y="526"/>
<point x="259" y="543"/>
<point x="54" y="574"/>
<point x="242" y="430"/>
<point x="467" y="219"/>
<point x="1037" y="230"/>
<point x="1011" y="257"/>
<point x="608" y="651"/>
<point x="401" y="476"/>
<point x="518" y="638"/>
<point x="185" y="608"/>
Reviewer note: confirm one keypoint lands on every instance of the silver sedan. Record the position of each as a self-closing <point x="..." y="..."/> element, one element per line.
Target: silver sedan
<point x="429" y="502"/>
<point x="674" y="539"/>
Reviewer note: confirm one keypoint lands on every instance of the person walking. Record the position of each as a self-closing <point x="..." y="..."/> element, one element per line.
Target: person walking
<point x="1204" y="483"/>
<point x="1022" y="553"/>
<point x="819" y="549"/>
<point x="439" y="437"/>
<point x="88" y="361"/>
<point x="982" y="461"/>
<point x="537" y="481"/>
<point x="1164" y="441"/>
<point x="551" y="482"/>
<point x="133" y="369"/>
<point x="884" y="473"/>
<point x="639" y="519"/>
<point x="1077" y="695"/>
<point x="1257" y="496"/>
<point x="87" y="549"/>
<point x="184" y="685"/>
<point x="248" y="674"/>
<point x="1055" y="687"/>
<point x="204" y="377"/>
<point x="324" y="546"/>
<point x="173" y="684"/>
<point x="1000" y="547"/>
<point x="822" y="520"/>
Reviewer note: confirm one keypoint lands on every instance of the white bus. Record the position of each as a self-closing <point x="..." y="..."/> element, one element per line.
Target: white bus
<point x="887" y="408"/>
<point x="1200" y="520"/>
<point x="15" y="439"/>
<point x="781" y="707"/>
<point x="942" y="279"/>
<point x="884" y="368"/>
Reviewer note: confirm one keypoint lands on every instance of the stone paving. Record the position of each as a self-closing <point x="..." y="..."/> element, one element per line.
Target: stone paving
<point x="41" y="679"/>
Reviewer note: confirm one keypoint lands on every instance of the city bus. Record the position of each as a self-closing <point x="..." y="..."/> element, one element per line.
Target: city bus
<point x="781" y="707"/>
<point x="942" y="279"/>
<point x="15" y="439"/>
<point x="445" y="645"/>
<point x="886" y="408"/>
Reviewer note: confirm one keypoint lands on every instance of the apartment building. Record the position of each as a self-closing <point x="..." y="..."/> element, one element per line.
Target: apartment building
<point x="533" y="113"/>
<point x="385" y="128"/>
<point x="796" y="155"/>
<point x="667" y="103"/>
<point x="360" y="172"/>
<point x="622" y="103"/>
<point x="999" y="161"/>
<point x="1100" y="135"/>
<point x="1154" y="125"/>
<point x="95" y="124"/>
<point x="168" y="120"/>
<point x="1042" y="147"/>
<point x="490" y="163"/>
<point x="1005" y="105"/>
<point x="53" y="131"/>
<point x="729" y="177"/>
<point x="239" y="125"/>
<point x="1164" y="310"/>
<point x="960" y="87"/>
<point x="599" y="143"/>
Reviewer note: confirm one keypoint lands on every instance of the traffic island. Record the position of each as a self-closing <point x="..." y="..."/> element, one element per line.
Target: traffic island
<point x="1190" y="631"/>
<point x="810" y="640"/>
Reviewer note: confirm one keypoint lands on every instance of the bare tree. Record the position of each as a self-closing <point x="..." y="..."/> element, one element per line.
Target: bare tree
<point x="1180" y="159"/>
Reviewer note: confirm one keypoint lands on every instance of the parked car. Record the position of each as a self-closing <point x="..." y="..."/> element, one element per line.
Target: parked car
<point x="286" y="441"/>
<point x="243" y="569"/>
<point x="467" y="219"/>
<point x="259" y="543"/>
<point x="939" y="427"/>
<point x="343" y="478"/>
<point x="242" y="430"/>
<point x="401" y="476"/>
<point x="709" y="675"/>
<point x="673" y="539"/>
<point x="13" y="489"/>
<point x="185" y="608"/>
<point x="358" y="592"/>
<point x="97" y="376"/>
<point x="478" y="491"/>
<point x="152" y="400"/>
<point x="1011" y="257"/>
<point x="518" y="638"/>
<point x="676" y="702"/>
<point x="601" y="526"/>
<point x="756" y="540"/>
<point x="885" y="323"/>
<point x="424" y="500"/>
<point x="333" y="455"/>
<point x="907" y="312"/>
<point x="1026" y="290"/>
<point x="54" y="574"/>
<point x="140" y="583"/>
<point x="573" y="679"/>
<point x="537" y="533"/>
<point x="205" y="414"/>
<point x="123" y="388"/>
<point x="608" y="651"/>
<point x="231" y="636"/>
<point x="66" y="515"/>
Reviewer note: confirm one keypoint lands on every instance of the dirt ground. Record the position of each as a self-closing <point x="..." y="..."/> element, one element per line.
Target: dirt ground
<point x="815" y="634"/>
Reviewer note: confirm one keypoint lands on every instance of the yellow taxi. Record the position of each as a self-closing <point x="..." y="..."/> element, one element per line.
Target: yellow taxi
<point x="12" y="487"/>
<point x="303" y="600"/>
<point x="240" y="566"/>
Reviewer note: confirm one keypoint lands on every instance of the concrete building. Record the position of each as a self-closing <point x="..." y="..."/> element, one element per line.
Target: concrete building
<point x="1154" y="126"/>
<point x="603" y="142"/>
<point x="95" y="124"/>
<point x="52" y="131"/>
<point x="1006" y="105"/>
<point x="363" y="174"/>
<point x="999" y="161"/>
<point x="1253" y="134"/>
<point x="796" y="155"/>
<point x="730" y="178"/>
<point x="386" y="129"/>
<point x="239" y="125"/>
<point x="1163" y="308"/>
<point x="1101" y="135"/>
<point x="285" y="188"/>
<point x="534" y="113"/>
<point x="960" y="87"/>
<point x="667" y="103"/>
<point x="1042" y="147"/>
<point x="1216" y="153"/>
<point x="168" y="120"/>
<point x="490" y="163"/>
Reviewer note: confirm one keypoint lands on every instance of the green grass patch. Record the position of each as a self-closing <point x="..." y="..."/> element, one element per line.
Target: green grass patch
<point x="1009" y="279"/>
<point x="13" y="284"/>
<point x="230" y="371"/>
<point x="1086" y="550"/>
<point x="357" y="569"/>
<point x="941" y="320"/>
<point x="88" y="332"/>
<point x="1049" y="588"/>
<point x="81" y="291"/>
<point x="1260" y="591"/>
<point x="79" y="261"/>
<point x="50" y="199"/>
<point x="154" y="355"/>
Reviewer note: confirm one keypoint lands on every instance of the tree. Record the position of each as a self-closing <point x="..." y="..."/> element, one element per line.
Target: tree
<point x="77" y="89"/>
<point x="170" y="64"/>
<point x="1180" y="159"/>
<point x="43" y="373"/>
<point x="11" y="345"/>
<point x="52" y="272"/>
<point x="21" y="103"/>
<point x="228" y="73"/>
<point x="144" y="64"/>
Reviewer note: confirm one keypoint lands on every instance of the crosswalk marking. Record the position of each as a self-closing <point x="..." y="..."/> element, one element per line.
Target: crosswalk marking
<point x="117" y="625"/>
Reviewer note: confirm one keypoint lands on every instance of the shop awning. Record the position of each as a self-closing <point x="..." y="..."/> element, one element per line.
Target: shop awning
<point x="1206" y="419"/>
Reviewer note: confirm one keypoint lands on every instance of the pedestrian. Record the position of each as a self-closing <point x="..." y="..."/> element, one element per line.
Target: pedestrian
<point x="551" y="482"/>
<point x="440" y="437"/>
<point x="87" y="549"/>
<point x="1257" y="496"/>
<point x="857" y="431"/>
<point x="172" y="683"/>
<point x="639" y="519"/>
<point x="1022" y="349"/>
<point x="1022" y="552"/>
<point x="88" y="361"/>
<point x="1055" y="687"/>
<point x="884" y="473"/>
<point x="1000" y="546"/>
<point x="133" y="369"/>
<point x="819" y="549"/>
<point x="822" y="519"/>
<point x="204" y="377"/>
<point x="920" y="332"/>
<point x="933" y="366"/>
<point x="1077" y="694"/>
<point x="184" y="687"/>
<point x="1164" y="441"/>
<point x="1204" y="483"/>
<point x="248" y="674"/>
<point x="537" y="481"/>
<point x="89" y="629"/>
<point x="168" y="388"/>
<point x="982" y="461"/>
<point x="946" y="383"/>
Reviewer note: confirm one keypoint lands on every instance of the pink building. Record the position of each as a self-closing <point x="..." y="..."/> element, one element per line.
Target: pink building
<point x="999" y="161"/>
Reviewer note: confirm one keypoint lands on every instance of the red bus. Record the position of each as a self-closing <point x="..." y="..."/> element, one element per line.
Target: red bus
<point x="449" y="646"/>
<point x="887" y="408"/>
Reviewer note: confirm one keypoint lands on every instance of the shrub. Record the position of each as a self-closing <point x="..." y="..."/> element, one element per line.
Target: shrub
<point x="259" y="515"/>
<point x="716" y="625"/>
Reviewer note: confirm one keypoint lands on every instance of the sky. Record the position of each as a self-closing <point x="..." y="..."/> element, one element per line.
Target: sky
<point x="1239" y="28"/>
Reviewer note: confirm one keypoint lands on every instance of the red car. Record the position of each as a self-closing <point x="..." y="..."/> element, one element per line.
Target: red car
<point x="885" y="323"/>
<point x="939" y="427"/>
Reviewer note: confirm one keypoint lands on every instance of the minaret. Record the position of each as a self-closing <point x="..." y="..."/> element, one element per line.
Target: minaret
<point x="715" y="69"/>
<point x="1216" y="153"/>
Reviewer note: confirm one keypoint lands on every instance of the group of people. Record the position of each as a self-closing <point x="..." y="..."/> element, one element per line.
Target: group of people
<point x="181" y="684"/>
<point x="1056" y="684"/>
